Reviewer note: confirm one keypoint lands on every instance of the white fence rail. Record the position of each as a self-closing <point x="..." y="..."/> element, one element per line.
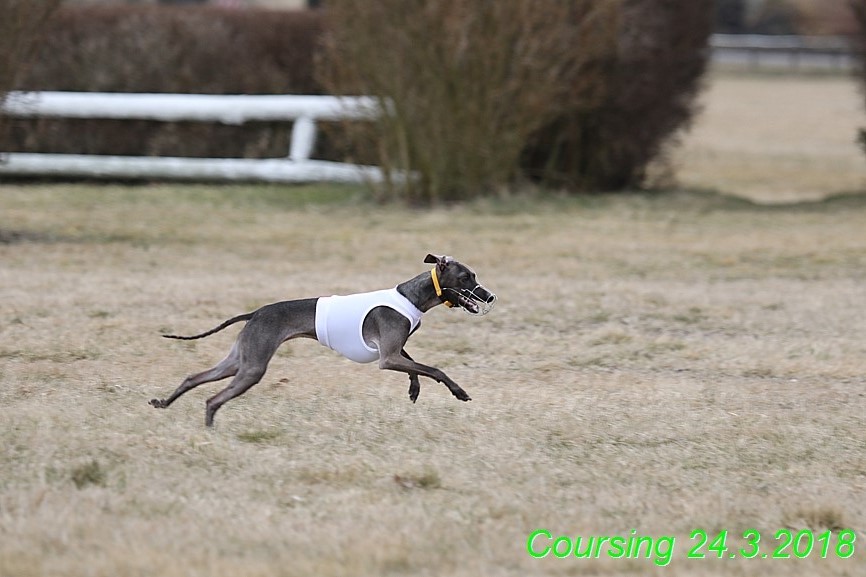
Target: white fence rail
<point x="758" y="51"/>
<point x="304" y="111"/>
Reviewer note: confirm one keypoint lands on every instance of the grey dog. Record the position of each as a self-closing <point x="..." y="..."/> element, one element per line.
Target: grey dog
<point x="362" y="327"/>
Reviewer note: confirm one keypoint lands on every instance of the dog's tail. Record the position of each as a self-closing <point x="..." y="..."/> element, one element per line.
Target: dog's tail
<point x="244" y="317"/>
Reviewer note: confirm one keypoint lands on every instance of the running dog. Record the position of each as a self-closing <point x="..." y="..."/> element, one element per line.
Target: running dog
<point x="362" y="327"/>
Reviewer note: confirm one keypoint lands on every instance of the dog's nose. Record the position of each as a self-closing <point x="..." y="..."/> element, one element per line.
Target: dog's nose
<point x="487" y="296"/>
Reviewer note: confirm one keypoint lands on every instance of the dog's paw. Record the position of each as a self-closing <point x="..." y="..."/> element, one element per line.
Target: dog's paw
<point x="462" y="395"/>
<point x="157" y="403"/>
<point x="414" y="391"/>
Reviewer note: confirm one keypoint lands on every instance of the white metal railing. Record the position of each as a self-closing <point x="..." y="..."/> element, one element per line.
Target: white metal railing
<point x="304" y="111"/>
<point x="784" y="51"/>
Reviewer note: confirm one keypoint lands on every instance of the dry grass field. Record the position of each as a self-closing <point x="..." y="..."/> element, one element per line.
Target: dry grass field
<point x="657" y="363"/>
<point x="776" y="138"/>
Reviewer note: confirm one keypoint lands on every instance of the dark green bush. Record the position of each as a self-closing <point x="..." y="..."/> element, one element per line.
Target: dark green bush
<point x="628" y="99"/>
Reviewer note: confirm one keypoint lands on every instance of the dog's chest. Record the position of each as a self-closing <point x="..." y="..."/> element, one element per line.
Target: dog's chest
<point x="340" y="321"/>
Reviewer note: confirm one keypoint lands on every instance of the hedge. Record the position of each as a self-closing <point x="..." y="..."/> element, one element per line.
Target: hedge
<point x="152" y="48"/>
<point x="629" y="98"/>
<point x="20" y="24"/>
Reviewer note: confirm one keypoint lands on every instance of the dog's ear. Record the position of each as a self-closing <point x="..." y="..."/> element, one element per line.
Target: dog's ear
<point x="441" y="261"/>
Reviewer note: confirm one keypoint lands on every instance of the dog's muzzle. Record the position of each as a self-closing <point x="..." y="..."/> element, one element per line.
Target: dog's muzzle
<point x="477" y="301"/>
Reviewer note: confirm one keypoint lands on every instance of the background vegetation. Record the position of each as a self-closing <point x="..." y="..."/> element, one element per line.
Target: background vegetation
<point x="805" y="17"/>
<point x="20" y="23"/>
<point x="629" y="97"/>
<point x="581" y="94"/>
<point x="481" y="94"/>
<point x="152" y="48"/>
<point x="467" y="82"/>
<point x="656" y="362"/>
<point x="859" y="7"/>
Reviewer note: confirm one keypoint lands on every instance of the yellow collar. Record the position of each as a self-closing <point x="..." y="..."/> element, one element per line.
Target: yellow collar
<point x="438" y="288"/>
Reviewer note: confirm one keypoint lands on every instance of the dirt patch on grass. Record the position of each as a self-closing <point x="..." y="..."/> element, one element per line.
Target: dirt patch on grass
<point x="19" y="236"/>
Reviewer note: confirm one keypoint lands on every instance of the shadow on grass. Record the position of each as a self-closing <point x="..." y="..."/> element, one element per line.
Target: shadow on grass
<point x="700" y="200"/>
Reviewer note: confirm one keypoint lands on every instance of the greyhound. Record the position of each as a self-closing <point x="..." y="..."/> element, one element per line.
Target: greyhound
<point x="363" y="327"/>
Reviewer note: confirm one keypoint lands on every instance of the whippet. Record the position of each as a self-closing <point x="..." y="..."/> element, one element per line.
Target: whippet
<point x="363" y="327"/>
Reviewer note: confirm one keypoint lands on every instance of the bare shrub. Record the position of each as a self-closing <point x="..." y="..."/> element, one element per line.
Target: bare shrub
<point x="479" y="93"/>
<point x="465" y="82"/>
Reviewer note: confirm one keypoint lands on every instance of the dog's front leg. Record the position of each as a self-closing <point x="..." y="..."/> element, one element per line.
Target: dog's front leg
<point x="397" y="362"/>
<point x="414" y="387"/>
<point x="390" y="330"/>
<point x="414" y="383"/>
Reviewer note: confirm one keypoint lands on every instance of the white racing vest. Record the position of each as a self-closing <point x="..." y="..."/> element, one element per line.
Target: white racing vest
<point x="340" y="321"/>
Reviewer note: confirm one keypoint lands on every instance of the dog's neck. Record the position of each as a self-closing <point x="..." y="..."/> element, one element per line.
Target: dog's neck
<point x="420" y="292"/>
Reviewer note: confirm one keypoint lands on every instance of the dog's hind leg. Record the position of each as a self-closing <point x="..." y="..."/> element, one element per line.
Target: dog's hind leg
<point x="256" y="347"/>
<point x="227" y="367"/>
<point x="239" y="385"/>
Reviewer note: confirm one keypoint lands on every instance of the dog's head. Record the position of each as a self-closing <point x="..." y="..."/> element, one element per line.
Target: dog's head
<point x="456" y="285"/>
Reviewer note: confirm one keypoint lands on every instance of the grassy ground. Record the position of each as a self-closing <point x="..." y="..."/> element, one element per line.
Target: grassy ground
<point x="776" y="138"/>
<point x="656" y="363"/>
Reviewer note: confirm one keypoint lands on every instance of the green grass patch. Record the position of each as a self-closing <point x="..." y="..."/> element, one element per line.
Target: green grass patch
<point x="261" y="436"/>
